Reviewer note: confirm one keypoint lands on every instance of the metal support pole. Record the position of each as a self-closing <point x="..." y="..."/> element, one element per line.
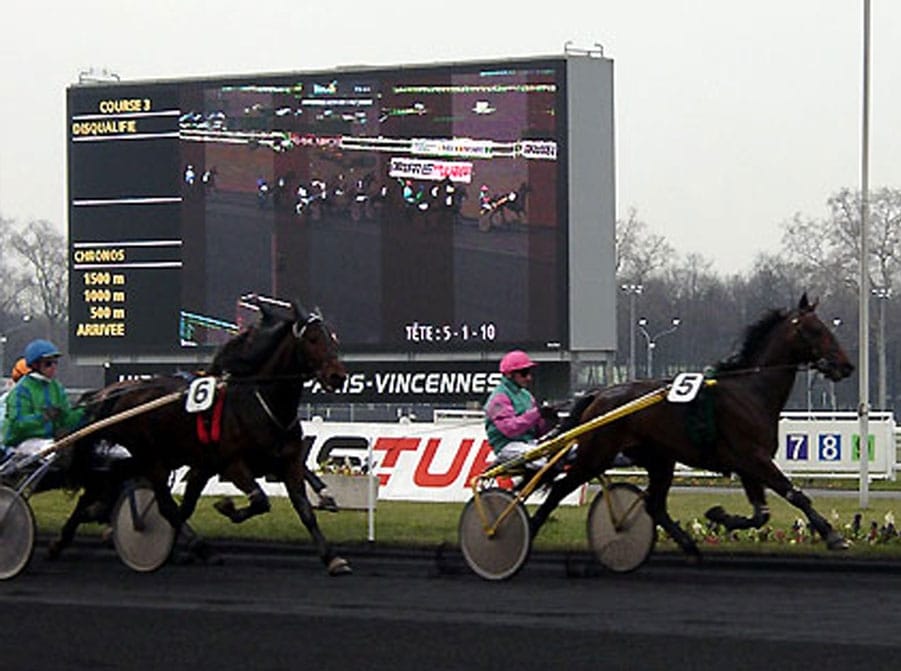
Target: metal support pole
<point x="863" y="408"/>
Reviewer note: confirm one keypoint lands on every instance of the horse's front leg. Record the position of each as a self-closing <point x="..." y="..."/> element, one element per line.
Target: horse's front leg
<point x="293" y="478"/>
<point x="195" y="481"/>
<point x="834" y="540"/>
<point x="239" y="474"/>
<point x="756" y="494"/>
<point x="768" y="473"/>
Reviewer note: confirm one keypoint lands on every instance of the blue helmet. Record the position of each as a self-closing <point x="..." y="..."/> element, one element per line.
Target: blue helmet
<point x="39" y="349"/>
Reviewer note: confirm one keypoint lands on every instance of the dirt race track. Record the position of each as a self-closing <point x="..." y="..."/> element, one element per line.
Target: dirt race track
<point x="273" y="608"/>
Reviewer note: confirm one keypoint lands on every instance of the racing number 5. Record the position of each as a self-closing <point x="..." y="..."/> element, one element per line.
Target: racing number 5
<point x="685" y="387"/>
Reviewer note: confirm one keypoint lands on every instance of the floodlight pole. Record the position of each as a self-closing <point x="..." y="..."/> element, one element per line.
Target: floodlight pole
<point x="863" y="408"/>
<point x="651" y="340"/>
<point x="632" y="290"/>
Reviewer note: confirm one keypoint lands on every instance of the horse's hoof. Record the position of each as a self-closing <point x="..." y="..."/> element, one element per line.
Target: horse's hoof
<point x="205" y="552"/>
<point x="693" y="555"/>
<point x="716" y="514"/>
<point x="225" y="507"/>
<point x="328" y="504"/>
<point x="54" y="550"/>
<point x="835" y="541"/>
<point x="339" y="566"/>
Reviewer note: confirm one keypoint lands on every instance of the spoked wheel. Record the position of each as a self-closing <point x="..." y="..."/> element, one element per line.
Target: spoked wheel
<point x="17" y="532"/>
<point x="620" y="531"/>
<point x="500" y="555"/>
<point x="142" y="536"/>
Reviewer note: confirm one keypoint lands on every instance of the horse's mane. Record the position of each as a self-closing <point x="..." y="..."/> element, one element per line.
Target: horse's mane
<point x="245" y="353"/>
<point x="755" y="336"/>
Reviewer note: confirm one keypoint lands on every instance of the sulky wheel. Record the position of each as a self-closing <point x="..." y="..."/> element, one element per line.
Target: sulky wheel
<point x="500" y="555"/>
<point x="620" y="531"/>
<point x="142" y="536"/>
<point x="17" y="532"/>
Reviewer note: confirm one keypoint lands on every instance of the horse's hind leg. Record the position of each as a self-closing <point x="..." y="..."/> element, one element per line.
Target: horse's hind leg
<point x="559" y="490"/>
<point x="258" y="503"/>
<point x="297" y="492"/>
<point x="756" y="496"/>
<point x="660" y="479"/>
<point x="94" y="505"/>
<point x="195" y="482"/>
<point x="78" y="517"/>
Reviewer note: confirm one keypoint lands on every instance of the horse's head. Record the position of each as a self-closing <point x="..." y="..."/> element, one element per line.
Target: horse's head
<point x="318" y="349"/>
<point x="816" y="343"/>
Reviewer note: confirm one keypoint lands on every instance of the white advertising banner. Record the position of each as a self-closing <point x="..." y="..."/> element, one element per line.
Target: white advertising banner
<point x="421" y="461"/>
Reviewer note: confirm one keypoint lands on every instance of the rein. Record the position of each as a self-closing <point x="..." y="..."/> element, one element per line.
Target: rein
<point x="760" y="369"/>
<point x="271" y="415"/>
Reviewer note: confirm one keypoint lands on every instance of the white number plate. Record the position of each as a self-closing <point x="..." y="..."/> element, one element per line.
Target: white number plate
<point x="201" y="394"/>
<point x="685" y="387"/>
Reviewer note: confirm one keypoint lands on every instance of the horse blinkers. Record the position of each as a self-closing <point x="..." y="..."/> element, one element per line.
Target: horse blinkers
<point x="822" y="348"/>
<point x="319" y="351"/>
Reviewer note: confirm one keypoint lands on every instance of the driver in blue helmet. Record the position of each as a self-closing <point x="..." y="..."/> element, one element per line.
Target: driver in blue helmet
<point x="37" y="408"/>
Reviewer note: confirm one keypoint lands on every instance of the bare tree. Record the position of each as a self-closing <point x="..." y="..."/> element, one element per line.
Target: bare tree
<point x="639" y="253"/>
<point x="13" y="278"/>
<point x="42" y="251"/>
<point x="827" y="251"/>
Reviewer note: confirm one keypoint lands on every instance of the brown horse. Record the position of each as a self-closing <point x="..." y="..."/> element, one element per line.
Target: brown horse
<point x="731" y="427"/>
<point x="251" y="431"/>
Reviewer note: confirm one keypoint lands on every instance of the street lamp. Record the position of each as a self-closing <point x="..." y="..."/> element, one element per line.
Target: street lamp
<point x="651" y="340"/>
<point x="836" y="322"/>
<point x="632" y="290"/>
<point x="4" y="338"/>
<point x="883" y="294"/>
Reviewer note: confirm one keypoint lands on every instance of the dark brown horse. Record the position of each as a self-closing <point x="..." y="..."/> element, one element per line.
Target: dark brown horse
<point x="731" y="427"/>
<point x="251" y="431"/>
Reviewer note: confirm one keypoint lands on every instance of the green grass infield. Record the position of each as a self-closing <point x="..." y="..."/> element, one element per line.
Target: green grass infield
<point x="422" y="525"/>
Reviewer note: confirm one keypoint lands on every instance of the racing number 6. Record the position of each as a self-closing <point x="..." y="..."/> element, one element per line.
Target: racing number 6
<point x="200" y="394"/>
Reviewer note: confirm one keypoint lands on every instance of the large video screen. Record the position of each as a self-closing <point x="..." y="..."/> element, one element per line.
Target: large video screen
<point x="419" y="209"/>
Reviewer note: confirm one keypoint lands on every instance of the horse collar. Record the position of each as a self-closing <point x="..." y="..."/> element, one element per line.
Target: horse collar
<point x="271" y="415"/>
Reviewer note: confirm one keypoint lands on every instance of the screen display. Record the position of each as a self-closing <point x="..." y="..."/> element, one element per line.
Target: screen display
<point x="419" y="209"/>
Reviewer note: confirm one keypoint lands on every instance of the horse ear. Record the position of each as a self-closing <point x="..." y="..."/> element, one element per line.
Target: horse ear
<point x="267" y="314"/>
<point x="300" y="312"/>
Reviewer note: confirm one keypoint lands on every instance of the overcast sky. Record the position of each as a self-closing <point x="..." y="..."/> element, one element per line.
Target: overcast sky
<point x="730" y="116"/>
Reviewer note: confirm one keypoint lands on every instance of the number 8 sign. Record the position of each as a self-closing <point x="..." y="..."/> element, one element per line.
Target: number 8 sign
<point x="830" y="446"/>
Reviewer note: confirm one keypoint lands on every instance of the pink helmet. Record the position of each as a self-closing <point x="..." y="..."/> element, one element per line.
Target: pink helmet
<point x="515" y="360"/>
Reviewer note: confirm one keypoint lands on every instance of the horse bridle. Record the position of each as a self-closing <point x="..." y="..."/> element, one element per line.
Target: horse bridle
<point x="298" y="329"/>
<point x="817" y="351"/>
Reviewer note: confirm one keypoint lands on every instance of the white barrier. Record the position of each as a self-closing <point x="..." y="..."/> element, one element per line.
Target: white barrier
<point x="435" y="461"/>
<point x="820" y="444"/>
<point x="421" y="461"/>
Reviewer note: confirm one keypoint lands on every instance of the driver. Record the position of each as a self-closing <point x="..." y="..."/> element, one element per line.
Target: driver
<point x="19" y="369"/>
<point x="513" y="420"/>
<point x="37" y="408"/>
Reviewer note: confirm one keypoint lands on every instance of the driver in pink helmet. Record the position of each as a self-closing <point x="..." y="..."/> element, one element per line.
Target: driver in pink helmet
<point x="513" y="420"/>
